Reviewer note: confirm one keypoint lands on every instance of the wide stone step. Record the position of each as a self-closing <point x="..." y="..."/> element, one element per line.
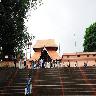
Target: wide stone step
<point x="16" y="87"/>
<point x="12" y="94"/>
<point x="91" y="93"/>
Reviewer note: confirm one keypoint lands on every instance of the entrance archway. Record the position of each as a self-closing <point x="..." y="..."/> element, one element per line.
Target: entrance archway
<point x="45" y="56"/>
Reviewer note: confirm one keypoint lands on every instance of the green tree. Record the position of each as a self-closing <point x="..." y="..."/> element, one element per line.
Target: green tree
<point x="13" y="33"/>
<point x="90" y="38"/>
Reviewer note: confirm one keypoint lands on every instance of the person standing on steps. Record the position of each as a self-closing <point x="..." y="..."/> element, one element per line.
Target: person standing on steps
<point x="41" y="62"/>
<point x="28" y="87"/>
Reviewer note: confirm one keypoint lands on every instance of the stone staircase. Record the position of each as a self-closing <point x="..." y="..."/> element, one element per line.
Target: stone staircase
<point x="66" y="82"/>
<point x="49" y="82"/>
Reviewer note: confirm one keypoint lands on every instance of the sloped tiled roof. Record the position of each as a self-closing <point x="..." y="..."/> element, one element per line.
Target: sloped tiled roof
<point x="35" y="56"/>
<point x="46" y="43"/>
<point x="53" y="55"/>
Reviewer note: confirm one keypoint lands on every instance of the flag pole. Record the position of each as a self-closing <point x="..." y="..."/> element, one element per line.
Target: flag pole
<point x="59" y="48"/>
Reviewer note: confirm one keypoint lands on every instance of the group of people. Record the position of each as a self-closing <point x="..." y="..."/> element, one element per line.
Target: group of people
<point x="42" y="64"/>
<point x="75" y="65"/>
<point x="38" y="64"/>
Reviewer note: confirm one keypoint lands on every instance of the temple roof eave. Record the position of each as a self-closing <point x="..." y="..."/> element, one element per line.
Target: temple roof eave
<point x="53" y="55"/>
<point x="46" y="47"/>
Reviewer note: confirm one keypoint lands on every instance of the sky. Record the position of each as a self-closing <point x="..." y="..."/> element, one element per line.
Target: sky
<point x="62" y="20"/>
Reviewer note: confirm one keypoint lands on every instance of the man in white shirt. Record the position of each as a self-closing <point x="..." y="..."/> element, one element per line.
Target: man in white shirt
<point x="41" y="62"/>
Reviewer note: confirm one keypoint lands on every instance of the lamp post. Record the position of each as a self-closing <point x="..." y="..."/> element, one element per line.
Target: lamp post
<point x="75" y="41"/>
<point x="29" y="45"/>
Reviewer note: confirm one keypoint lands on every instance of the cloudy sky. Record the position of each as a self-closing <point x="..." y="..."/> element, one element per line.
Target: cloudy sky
<point x="60" y="20"/>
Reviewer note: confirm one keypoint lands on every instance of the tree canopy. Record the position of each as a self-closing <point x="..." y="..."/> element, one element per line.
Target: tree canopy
<point x="13" y="33"/>
<point x="90" y="38"/>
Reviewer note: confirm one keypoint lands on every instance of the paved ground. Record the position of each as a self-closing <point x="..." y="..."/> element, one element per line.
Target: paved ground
<point x="49" y="82"/>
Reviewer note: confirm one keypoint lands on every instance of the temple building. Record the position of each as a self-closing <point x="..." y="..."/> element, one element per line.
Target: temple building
<point x="49" y="46"/>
